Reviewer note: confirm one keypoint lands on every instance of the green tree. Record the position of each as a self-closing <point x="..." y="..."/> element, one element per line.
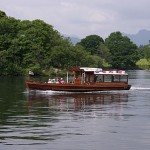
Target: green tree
<point x="2" y="14"/>
<point x="38" y="40"/>
<point x="146" y="50"/>
<point x="104" y="53"/>
<point x="66" y="55"/>
<point x="8" y="31"/>
<point x="93" y="61"/>
<point x="98" y="53"/>
<point x="124" y="52"/>
<point x="3" y="62"/>
<point x="141" y="52"/>
<point x="58" y="56"/>
<point x="91" y="43"/>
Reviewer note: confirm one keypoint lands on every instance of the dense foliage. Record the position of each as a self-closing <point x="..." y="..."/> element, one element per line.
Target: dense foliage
<point x="37" y="46"/>
<point x="146" y="51"/>
<point x="144" y="62"/>
<point x="92" y="43"/>
<point x="124" y="53"/>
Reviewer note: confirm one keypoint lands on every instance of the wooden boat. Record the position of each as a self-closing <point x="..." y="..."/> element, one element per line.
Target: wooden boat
<point x="86" y="80"/>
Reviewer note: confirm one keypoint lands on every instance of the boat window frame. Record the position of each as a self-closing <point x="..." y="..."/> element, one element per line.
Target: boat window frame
<point x="111" y="78"/>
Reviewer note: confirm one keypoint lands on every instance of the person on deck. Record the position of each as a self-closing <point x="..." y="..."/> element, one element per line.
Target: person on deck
<point x="49" y="81"/>
<point x="62" y="81"/>
<point x="57" y="81"/>
<point x="54" y="81"/>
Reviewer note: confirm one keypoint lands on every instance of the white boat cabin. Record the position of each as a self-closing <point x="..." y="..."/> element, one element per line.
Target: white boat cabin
<point x="96" y="75"/>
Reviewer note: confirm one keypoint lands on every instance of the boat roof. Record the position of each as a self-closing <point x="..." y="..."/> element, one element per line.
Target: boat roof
<point x="99" y="71"/>
<point x="88" y="69"/>
<point x="112" y="72"/>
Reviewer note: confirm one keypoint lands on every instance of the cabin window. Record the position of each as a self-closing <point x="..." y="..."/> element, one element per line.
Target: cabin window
<point x="120" y="78"/>
<point x="99" y="78"/>
<point x="116" y="78"/>
<point x="123" y="78"/>
<point x="107" y="78"/>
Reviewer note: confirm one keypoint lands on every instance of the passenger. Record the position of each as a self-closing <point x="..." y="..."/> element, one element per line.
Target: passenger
<point x="54" y="81"/>
<point x="49" y="81"/>
<point x="62" y="81"/>
<point x="57" y="81"/>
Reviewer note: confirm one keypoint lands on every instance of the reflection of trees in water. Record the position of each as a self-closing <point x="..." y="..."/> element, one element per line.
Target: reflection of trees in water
<point x="77" y="101"/>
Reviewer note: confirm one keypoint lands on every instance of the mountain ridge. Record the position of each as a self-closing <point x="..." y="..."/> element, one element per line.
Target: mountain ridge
<point x="142" y="37"/>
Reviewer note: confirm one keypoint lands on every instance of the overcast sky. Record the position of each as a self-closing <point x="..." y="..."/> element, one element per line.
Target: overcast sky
<point x="83" y="17"/>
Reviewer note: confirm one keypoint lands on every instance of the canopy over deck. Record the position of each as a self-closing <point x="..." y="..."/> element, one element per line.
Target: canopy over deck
<point x="98" y="71"/>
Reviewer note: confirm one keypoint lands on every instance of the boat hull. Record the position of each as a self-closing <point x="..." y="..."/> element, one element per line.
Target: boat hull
<point x="86" y="87"/>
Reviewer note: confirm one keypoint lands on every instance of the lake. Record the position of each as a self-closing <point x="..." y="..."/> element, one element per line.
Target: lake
<point x="117" y="120"/>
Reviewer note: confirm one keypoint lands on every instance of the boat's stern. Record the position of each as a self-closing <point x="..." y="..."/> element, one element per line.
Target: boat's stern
<point x="128" y="87"/>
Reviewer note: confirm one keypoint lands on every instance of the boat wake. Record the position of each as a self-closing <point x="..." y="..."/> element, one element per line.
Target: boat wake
<point x="140" y="88"/>
<point x="50" y="92"/>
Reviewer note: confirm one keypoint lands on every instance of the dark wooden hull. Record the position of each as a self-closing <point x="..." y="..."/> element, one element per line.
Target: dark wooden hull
<point x="86" y="87"/>
<point x="36" y="85"/>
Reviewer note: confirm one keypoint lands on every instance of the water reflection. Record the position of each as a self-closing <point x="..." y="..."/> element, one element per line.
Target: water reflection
<point x="76" y="101"/>
<point x="47" y="117"/>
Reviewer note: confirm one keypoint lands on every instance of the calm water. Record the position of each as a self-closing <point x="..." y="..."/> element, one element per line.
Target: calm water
<point x="75" y="121"/>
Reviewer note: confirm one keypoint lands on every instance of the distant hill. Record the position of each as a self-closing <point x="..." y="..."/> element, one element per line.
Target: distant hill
<point x="141" y="38"/>
<point x="73" y="39"/>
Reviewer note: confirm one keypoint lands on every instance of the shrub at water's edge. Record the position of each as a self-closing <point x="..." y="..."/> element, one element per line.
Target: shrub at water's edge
<point x="143" y="64"/>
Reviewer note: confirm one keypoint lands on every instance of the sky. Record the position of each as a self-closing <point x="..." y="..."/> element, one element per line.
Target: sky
<point x="80" y="18"/>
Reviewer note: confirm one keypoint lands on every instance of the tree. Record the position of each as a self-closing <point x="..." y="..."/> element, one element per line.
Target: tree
<point x="3" y="62"/>
<point x="66" y="55"/>
<point x="124" y="52"/>
<point x="104" y="53"/>
<point x="93" y="61"/>
<point x="146" y="50"/>
<point x="2" y="14"/>
<point x="98" y="52"/>
<point x="38" y="39"/>
<point x="8" y="31"/>
<point x="91" y="43"/>
<point x="141" y="51"/>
